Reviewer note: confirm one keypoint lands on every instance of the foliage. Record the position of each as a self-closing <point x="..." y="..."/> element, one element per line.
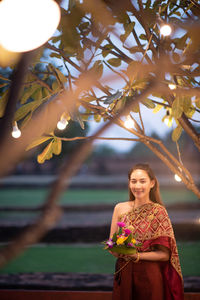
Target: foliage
<point x="121" y="40"/>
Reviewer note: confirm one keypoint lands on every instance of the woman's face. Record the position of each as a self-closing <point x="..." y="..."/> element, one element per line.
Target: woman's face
<point x="140" y="184"/>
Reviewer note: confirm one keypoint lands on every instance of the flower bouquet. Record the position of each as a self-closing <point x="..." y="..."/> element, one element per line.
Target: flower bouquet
<point x="122" y="242"/>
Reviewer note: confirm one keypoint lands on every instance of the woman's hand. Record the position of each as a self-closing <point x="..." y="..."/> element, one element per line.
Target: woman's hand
<point x="117" y="255"/>
<point x="124" y="256"/>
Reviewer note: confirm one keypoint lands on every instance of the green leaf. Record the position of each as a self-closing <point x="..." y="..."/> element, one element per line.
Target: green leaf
<point x="148" y="103"/>
<point x="3" y="103"/>
<point x="177" y="109"/>
<point x="46" y="92"/>
<point x="26" y="120"/>
<point x="55" y="85"/>
<point x="190" y="112"/>
<point x="180" y="43"/>
<point x="143" y="37"/>
<point x="25" y="109"/>
<point x="80" y="120"/>
<point x="157" y="108"/>
<point x="128" y="30"/>
<point x="28" y="92"/>
<point x="129" y="239"/>
<point x="115" y="62"/>
<point x="106" y="50"/>
<point x="46" y="153"/>
<point x="120" y="231"/>
<point x="187" y="103"/>
<point x="114" y="237"/>
<point x="135" y="108"/>
<point x="97" y="118"/>
<point x="37" y="96"/>
<point x="97" y="68"/>
<point x="61" y="76"/>
<point x="110" y="99"/>
<point x="57" y="146"/>
<point x="176" y="133"/>
<point x="38" y="142"/>
<point x="54" y="54"/>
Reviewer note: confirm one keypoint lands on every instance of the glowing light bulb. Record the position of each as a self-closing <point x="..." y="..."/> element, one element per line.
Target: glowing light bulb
<point x="16" y="133"/>
<point x="129" y="123"/>
<point x="165" y="30"/>
<point x="27" y="24"/>
<point x="168" y="120"/>
<point x="172" y="86"/>
<point x="177" y="178"/>
<point x="61" y="125"/>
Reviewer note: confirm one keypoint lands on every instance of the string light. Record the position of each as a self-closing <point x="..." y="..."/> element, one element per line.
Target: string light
<point x="27" y="24"/>
<point x="177" y="178"/>
<point x="129" y="123"/>
<point x="62" y="124"/>
<point x="16" y="133"/>
<point x="165" y="29"/>
<point x="168" y="119"/>
<point x="172" y="86"/>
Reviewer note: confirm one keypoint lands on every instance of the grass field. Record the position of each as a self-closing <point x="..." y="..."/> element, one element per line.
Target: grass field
<point x="34" y="197"/>
<point x="89" y="259"/>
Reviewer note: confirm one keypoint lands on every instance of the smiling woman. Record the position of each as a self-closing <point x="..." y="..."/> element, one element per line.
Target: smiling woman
<point x="157" y="255"/>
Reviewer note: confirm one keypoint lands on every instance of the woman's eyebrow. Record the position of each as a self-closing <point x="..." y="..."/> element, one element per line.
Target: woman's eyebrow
<point x="138" y="179"/>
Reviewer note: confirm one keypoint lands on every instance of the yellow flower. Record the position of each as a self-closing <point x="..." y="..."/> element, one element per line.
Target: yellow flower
<point x="121" y="240"/>
<point x="133" y="241"/>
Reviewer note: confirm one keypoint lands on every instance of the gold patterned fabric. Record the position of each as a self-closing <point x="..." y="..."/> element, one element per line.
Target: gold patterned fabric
<point x="152" y="226"/>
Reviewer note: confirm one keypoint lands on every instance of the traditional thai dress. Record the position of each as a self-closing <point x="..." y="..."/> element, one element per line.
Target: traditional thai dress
<point x="149" y="280"/>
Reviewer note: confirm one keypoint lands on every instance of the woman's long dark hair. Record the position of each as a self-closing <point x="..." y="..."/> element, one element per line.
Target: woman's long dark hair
<point x="154" y="194"/>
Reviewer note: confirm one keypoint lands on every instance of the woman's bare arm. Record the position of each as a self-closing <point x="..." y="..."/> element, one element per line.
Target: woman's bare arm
<point x="160" y="253"/>
<point x="115" y="217"/>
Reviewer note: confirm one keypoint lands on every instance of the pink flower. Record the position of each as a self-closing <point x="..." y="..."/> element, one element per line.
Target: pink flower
<point x="110" y="243"/>
<point x="127" y="231"/>
<point x="129" y="245"/>
<point x="121" y="224"/>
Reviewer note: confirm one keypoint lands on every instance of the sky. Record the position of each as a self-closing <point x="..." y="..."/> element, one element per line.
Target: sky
<point x="152" y="123"/>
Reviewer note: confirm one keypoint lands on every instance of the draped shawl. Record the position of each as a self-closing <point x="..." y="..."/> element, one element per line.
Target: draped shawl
<point x="152" y="226"/>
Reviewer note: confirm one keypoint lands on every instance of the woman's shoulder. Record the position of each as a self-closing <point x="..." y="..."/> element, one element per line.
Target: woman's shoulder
<point x="159" y="207"/>
<point x="123" y="207"/>
<point x="123" y="204"/>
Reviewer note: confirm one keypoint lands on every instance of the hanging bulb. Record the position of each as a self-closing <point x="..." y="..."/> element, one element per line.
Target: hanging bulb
<point x="172" y="86"/>
<point x="61" y="125"/>
<point x="177" y="178"/>
<point x="165" y="30"/>
<point x="16" y="133"/>
<point x="129" y="123"/>
<point x="27" y="24"/>
<point x="168" y="119"/>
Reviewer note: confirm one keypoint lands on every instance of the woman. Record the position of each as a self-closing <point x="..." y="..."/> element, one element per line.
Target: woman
<point x="154" y="272"/>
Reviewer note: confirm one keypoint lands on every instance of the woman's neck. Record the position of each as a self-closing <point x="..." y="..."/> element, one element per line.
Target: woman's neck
<point x="140" y="202"/>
